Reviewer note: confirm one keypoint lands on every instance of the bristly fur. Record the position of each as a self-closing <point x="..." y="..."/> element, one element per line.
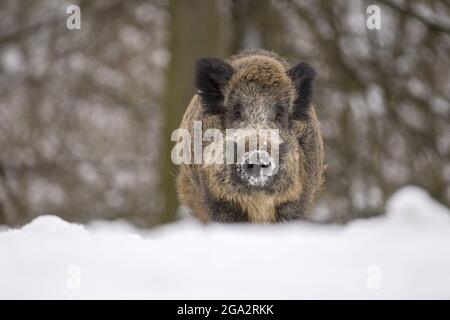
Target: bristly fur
<point x="256" y="80"/>
<point x="210" y="78"/>
<point x="302" y="76"/>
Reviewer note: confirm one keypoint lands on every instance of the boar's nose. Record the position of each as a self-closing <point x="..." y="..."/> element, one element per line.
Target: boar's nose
<point x="262" y="166"/>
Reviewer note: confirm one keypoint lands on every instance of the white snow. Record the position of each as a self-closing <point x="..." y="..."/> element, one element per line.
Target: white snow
<point x="405" y="254"/>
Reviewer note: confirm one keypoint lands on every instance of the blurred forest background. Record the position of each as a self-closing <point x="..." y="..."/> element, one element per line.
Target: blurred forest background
<point x="86" y="115"/>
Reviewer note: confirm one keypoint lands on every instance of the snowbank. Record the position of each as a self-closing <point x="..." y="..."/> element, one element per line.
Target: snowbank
<point x="405" y="254"/>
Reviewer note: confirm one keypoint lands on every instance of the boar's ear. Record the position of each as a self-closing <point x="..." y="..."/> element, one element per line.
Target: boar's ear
<point x="211" y="76"/>
<point x="302" y="75"/>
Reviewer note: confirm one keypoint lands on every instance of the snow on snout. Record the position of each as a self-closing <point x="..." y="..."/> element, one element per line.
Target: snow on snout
<point x="265" y="174"/>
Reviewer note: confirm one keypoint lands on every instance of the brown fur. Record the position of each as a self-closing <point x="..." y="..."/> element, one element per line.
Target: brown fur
<point x="258" y="74"/>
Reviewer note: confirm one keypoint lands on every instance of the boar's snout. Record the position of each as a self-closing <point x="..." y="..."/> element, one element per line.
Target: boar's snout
<point x="257" y="167"/>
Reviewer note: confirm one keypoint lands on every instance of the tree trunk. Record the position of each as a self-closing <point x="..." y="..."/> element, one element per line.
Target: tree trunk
<point x="195" y="32"/>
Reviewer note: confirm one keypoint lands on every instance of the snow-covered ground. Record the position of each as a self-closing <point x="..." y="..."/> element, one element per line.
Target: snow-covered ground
<point x="405" y="254"/>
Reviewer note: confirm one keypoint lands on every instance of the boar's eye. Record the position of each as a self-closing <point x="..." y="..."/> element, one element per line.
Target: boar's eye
<point x="236" y="112"/>
<point x="279" y="116"/>
<point x="280" y="112"/>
